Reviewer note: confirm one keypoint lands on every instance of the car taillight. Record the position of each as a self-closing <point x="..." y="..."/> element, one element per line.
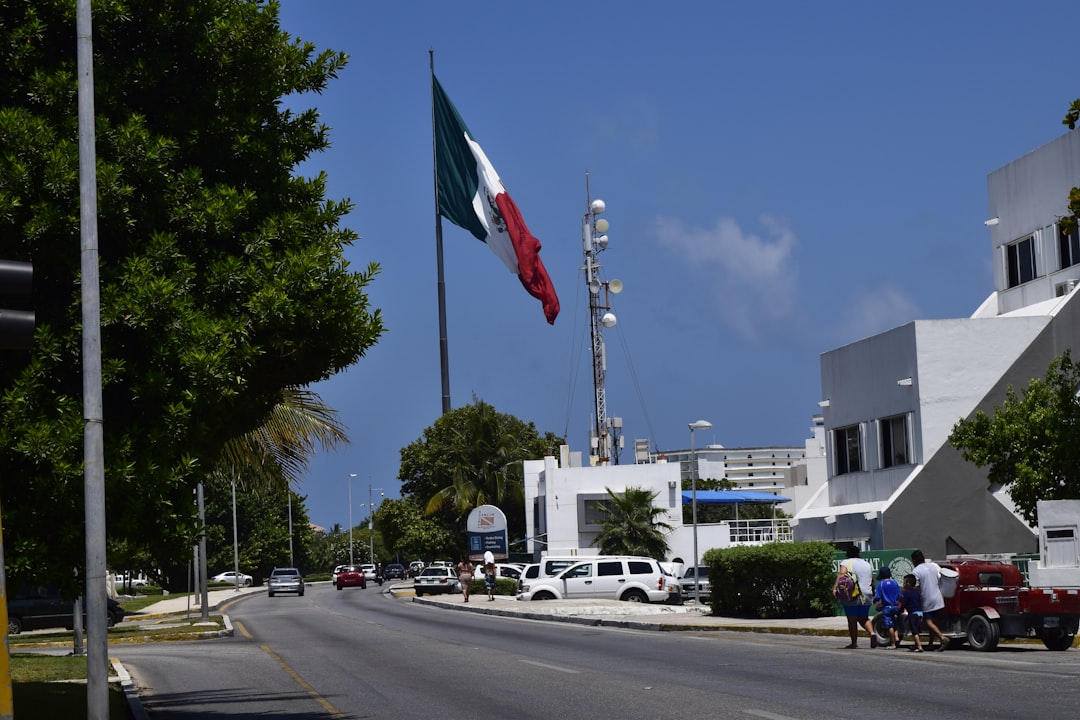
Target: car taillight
<point x="660" y="583"/>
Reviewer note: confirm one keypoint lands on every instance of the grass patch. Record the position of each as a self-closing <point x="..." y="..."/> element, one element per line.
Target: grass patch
<point x="177" y="628"/>
<point x="31" y="667"/>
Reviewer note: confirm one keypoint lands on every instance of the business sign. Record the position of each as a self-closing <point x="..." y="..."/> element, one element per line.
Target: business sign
<point x="486" y="528"/>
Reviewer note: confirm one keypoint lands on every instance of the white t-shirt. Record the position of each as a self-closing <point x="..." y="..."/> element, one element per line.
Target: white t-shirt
<point x="864" y="575"/>
<point x="927" y="574"/>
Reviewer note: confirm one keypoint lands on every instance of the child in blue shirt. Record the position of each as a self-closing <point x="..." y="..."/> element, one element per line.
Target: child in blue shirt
<point x="911" y="603"/>
<point x="887" y="601"/>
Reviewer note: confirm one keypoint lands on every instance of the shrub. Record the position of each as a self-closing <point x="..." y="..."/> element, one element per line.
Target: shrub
<point x="778" y="580"/>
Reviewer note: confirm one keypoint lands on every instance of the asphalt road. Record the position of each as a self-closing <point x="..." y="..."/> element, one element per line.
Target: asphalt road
<point x="361" y="654"/>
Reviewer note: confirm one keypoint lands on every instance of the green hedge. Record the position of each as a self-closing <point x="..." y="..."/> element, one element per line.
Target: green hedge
<point x="775" y="581"/>
<point x="503" y="586"/>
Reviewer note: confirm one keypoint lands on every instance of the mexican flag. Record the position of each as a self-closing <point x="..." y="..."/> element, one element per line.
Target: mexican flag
<point x="472" y="197"/>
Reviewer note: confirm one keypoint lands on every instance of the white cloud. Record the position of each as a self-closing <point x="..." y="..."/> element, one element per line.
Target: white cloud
<point x="753" y="276"/>
<point x="872" y="311"/>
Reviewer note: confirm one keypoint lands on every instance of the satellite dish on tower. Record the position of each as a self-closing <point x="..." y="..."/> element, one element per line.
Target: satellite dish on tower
<point x="615" y="286"/>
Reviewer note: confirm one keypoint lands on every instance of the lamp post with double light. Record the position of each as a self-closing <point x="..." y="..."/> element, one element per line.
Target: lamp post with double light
<point x="699" y="425"/>
<point x="351" y="476"/>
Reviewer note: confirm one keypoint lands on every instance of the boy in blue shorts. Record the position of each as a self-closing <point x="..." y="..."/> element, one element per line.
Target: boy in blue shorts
<point x="911" y="603"/>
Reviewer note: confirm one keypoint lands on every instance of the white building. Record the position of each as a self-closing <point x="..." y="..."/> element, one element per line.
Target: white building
<point x="563" y="517"/>
<point x="890" y="401"/>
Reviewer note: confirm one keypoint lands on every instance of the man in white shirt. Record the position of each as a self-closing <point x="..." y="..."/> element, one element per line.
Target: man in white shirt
<point x="927" y="573"/>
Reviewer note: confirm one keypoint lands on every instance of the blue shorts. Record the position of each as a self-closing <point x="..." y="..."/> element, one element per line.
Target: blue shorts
<point x="859" y="610"/>
<point x="889" y="613"/>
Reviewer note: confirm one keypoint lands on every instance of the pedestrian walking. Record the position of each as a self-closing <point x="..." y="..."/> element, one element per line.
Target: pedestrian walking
<point x="857" y="603"/>
<point x="489" y="580"/>
<point x="927" y="574"/>
<point x="465" y="576"/>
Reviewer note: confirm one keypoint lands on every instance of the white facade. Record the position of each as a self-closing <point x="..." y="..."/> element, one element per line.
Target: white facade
<point x="891" y="400"/>
<point x="560" y="498"/>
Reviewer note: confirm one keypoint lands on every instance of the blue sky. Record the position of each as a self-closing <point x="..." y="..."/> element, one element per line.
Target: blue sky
<point x="781" y="179"/>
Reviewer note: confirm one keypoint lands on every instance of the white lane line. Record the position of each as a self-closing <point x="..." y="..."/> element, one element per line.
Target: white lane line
<point x="768" y="715"/>
<point x="550" y="667"/>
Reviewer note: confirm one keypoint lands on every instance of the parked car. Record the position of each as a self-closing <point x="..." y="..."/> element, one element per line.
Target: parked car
<point x="633" y="579"/>
<point x="231" y="577"/>
<point x="435" y="580"/>
<point x="394" y="571"/>
<point x="121" y="581"/>
<point x="350" y="576"/>
<point x="40" y="608"/>
<point x="507" y="571"/>
<point x="687" y="583"/>
<point x="285" y="580"/>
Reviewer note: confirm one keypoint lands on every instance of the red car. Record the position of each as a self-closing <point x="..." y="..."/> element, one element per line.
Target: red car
<point x="350" y="576"/>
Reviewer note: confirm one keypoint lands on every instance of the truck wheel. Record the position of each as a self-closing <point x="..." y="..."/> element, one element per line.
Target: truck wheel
<point x="982" y="634"/>
<point x="635" y="596"/>
<point x="543" y="595"/>
<point x="882" y="633"/>
<point x="14" y="625"/>
<point x="1057" y="639"/>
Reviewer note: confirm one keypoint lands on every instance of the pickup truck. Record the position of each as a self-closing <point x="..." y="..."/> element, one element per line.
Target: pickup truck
<point x="991" y="601"/>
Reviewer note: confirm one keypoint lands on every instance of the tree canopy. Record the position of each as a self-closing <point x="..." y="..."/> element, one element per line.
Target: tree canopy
<point x="1032" y="442"/>
<point x="222" y="272"/>
<point x="472" y="456"/>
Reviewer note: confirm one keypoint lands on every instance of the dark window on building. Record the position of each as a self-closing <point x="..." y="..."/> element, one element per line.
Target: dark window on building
<point x="1020" y="259"/>
<point x="1069" y="247"/>
<point x="894" y="441"/>
<point x="848" y="449"/>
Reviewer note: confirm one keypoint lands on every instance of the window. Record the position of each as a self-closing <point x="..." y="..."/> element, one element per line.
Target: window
<point x="1020" y="261"/>
<point x="609" y="567"/>
<point x="894" y="444"/>
<point x="848" y="448"/>
<point x="594" y="512"/>
<point x="1068" y="247"/>
<point x="579" y="571"/>
<point x="639" y="567"/>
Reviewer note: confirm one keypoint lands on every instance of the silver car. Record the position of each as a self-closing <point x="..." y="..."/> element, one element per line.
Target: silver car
<point x="285" y="580"/>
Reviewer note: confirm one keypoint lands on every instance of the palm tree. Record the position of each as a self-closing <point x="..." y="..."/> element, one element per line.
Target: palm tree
<point x="631" y="525"/>
<point x="275" y="453"/>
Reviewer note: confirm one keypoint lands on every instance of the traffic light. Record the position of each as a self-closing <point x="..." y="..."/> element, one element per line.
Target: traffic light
<point x="16" y="305"/>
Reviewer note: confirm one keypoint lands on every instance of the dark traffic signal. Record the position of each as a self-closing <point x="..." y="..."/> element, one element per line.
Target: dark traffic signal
<point x="16" y="305"/>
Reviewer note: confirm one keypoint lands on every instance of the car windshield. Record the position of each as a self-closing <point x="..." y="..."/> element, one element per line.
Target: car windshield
<point x="432" y="572"/>
<point x="289" y="571"/>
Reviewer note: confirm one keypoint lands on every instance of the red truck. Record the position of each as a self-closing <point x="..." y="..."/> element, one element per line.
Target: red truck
<point x="990" y="601"/>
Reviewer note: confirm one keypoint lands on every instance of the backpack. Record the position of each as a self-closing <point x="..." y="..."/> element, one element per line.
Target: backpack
<point x="847" y="589"/>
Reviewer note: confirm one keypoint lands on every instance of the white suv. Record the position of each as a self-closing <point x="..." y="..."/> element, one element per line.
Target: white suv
<point x="635" y="579"/>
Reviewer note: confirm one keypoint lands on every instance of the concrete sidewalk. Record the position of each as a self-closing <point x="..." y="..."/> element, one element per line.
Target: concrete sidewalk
<point x="612" y="613"/>
<point x="190" y="604"/>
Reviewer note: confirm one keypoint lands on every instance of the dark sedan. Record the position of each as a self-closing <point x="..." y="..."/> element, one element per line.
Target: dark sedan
<point x="350" y="576"/>
<point x="394" y="571"/>
<point x="42" y="608"/>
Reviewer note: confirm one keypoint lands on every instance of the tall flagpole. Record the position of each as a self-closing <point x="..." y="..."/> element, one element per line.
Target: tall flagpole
<point x="444" y="354"/>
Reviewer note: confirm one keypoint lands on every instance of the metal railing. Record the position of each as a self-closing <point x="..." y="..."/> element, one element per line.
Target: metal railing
<point x="759" y="532"/>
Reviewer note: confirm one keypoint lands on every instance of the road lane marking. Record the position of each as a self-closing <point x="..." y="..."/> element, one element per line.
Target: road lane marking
<point x="334" y="712"/>
<point x="551" y="667"/>
<point x="768" y="715"/>
<point x="243" y="630"/>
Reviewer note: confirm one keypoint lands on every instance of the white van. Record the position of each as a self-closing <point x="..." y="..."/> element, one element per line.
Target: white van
<point x="634" y="579"/>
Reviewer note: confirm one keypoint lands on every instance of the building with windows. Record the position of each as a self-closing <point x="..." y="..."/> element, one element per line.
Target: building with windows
<point x="890" y="401"/>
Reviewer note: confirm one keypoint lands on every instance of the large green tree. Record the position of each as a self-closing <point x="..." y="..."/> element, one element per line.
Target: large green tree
<point x="222" y="272"/>
<point x="472" y="456"/>
<point x="1032" y="441"/>
<point x="631" y="524"/>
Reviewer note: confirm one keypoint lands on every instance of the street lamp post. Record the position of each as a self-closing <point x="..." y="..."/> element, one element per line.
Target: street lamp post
<point x="351" y="476"/>
<point x="371" y="523"/>
<point x="699" y="425"/>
